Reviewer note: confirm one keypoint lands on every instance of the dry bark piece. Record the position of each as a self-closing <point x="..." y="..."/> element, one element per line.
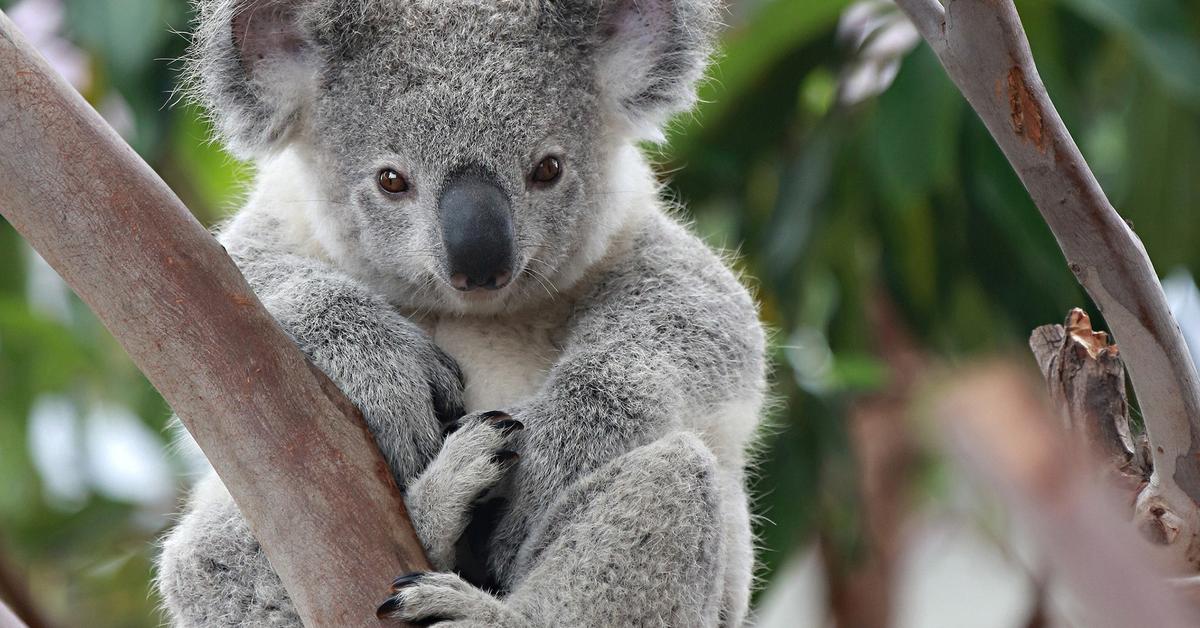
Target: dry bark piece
<point x="1086" y="382"/>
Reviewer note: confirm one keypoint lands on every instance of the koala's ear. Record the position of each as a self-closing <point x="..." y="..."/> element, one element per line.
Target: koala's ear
<point x="652" y="53"/>
<point x="255" y="67"/>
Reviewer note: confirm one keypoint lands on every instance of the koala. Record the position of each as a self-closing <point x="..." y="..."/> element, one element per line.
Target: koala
<point x="453" y="220"/>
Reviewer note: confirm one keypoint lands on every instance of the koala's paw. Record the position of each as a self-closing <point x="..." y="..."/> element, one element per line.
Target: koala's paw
<point x="477" y="454"/>
<point x="444" y="599"/>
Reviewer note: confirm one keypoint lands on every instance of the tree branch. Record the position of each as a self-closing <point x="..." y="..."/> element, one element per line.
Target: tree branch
<point x="292" y="450"/>
<point x="862" y="593"/>
<point x="986" y="53"/>
<point x="929" y="16"/>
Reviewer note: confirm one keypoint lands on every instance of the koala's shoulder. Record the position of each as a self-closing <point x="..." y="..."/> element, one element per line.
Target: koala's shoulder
<point x="662" y="250"/>
<point x="667" y="277"/>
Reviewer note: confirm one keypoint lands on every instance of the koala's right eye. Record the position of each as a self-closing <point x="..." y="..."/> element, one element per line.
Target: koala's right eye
<point x="392" y="182"/>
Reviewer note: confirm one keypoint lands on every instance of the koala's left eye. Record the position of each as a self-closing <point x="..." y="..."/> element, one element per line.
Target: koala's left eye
<point x="547" y="171"/>
<point x="392" y="182"/>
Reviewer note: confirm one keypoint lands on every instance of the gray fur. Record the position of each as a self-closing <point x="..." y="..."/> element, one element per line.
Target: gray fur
<point x="636" y="542"/>
<point x="464" y="471"/>
<point x="630" y="353"/>
<point x="213" y="573"/>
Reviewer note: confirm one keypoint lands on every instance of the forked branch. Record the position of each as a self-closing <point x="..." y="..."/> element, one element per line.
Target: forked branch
<point x="983" y="47"/>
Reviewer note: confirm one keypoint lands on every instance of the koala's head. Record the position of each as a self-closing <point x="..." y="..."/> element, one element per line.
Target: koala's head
<point x="465" y="151"/>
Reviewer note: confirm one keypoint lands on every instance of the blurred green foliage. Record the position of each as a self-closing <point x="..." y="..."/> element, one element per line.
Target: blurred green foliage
<point x="830" y="204"/>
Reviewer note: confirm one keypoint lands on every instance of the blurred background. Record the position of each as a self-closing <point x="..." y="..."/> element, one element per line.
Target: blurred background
<point x="880" y="226"/>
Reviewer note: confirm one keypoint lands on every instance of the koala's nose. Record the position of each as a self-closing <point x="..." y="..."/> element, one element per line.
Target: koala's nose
<point x="477" y="230"/>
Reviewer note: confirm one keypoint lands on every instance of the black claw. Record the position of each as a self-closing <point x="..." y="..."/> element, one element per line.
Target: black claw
<point x="508" y="426"/>
<point x="505" y="457"/>
<point x="388" y="608"/>
<point x="495" y="415"/>
<point x="407" y="579"/>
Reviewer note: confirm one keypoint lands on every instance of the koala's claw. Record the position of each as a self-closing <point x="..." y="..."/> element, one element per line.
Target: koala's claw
<point x="505" y="458"/>
<point x="508" y="426"/>
<point x="391" y="607"/>
<point x="478" y="437"/>
<point x="405" y="580"/>
<point x="388" y="608"/>
<point x="497" y="419"/>
<point x="430" y="598"/>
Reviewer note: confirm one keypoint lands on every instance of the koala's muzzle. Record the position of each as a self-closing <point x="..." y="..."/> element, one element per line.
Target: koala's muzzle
<point x="477" y="231"/>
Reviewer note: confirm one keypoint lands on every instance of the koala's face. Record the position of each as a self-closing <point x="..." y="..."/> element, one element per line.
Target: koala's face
<point x="467" y="149"/>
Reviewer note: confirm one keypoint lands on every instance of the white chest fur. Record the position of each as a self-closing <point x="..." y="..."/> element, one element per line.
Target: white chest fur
<point x="504" y="360"/>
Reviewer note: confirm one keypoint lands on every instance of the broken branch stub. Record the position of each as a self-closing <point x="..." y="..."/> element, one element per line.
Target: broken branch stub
<point x="1086" y="382"/>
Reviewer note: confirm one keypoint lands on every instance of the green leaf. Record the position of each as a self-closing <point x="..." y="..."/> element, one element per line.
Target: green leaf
<point x="915" y="130"/>
<point x="127" y="34"/>
<point x="775" y="31"/>
<point x="1161" y="34"/>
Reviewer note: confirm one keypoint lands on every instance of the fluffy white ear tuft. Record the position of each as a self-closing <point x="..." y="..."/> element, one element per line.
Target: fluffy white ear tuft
<point x="651" y="55"/>
<point x="255" y="67"/>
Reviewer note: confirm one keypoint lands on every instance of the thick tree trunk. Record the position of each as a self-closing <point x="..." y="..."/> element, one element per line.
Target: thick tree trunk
<point x="983" y="47"/>
<point x="291" y="449"/>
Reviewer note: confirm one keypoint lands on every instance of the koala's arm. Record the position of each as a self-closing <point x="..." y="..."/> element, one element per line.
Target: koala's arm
<point x="667" y="340"/>
<point x="404" y="385"/>
<point x="211" y="571"/>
